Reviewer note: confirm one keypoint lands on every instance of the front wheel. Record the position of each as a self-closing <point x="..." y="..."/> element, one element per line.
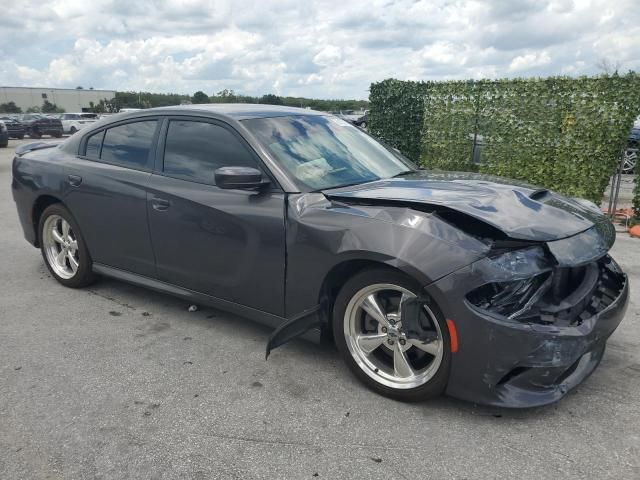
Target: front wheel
<point x="367" y="326"/>
<point x="63" y="248"/>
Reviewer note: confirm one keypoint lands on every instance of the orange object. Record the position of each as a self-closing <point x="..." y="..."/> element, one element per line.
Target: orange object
<point x="633" y="231"/>
<point x="453" y="335"/>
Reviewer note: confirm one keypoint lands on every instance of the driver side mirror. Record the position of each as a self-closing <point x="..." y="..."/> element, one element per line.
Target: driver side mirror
<point x="242" y="178"/>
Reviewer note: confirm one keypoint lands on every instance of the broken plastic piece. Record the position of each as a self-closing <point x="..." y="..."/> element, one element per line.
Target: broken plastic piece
<point x="296" y="326"/>
<point x="412" y="323"/>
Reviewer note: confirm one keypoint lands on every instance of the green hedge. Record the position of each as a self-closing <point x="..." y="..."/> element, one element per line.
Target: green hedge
<point x="396" y="114"/>
<point x="562" y="133"/>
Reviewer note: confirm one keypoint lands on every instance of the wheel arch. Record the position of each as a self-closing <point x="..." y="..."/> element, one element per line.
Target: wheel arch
<point x="337" y="276"/>
<point x="39" y="206"/>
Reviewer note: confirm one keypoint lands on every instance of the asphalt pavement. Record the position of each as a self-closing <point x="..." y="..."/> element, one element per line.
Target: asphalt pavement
<point x="115" y="382"/>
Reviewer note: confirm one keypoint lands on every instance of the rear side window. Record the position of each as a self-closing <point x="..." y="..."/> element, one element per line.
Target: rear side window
<point x="194" y="150"/>
<point x="129" y="145"/>
<point x="93" y="145"/>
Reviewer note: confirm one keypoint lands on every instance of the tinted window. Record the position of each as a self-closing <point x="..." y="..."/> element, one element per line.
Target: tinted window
<point x="128" y="145"/>
<point x="194" y="150"/>
<point x="93" y="145"/>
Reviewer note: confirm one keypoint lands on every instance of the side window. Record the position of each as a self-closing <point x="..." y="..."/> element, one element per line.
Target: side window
<point x="194" y="150"/>
<point x="93" y="145"/>
<point x="128" y="145"/>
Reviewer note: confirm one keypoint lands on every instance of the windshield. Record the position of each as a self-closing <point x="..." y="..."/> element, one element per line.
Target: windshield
<point x="321" y="152"/>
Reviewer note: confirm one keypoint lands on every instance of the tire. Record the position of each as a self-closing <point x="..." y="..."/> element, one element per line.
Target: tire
<point x="35" y="134"/>
<point x="363" y="125"/>
<point x="377" y="368"/>
<point x="20" y="137"/>
<point x="63" y="271"/>
<point x="57" y="134"/>
<point x="73" y="130"/>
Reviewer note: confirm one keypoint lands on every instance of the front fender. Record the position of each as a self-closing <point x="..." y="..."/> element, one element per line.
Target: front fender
<point x="322" y="234"/>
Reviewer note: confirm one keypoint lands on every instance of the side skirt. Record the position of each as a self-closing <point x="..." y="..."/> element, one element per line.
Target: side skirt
<point x="264" y="318"/>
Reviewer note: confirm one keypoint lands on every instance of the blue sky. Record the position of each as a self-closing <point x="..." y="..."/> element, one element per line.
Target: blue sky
<point x="322" y="49"/>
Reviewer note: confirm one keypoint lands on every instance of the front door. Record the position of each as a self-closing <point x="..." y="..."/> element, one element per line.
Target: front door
<point x="229" y="244"/>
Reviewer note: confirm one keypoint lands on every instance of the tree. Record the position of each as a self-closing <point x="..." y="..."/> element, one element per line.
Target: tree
<point x="608" y="67"/>
<point x="271" y="99"/>
<point x="48" y="107"/>
<point x="79" y="87"/>
<point x="200" y="97"/>
<point x="33" y="110"/>
<point x="10" y="107"/>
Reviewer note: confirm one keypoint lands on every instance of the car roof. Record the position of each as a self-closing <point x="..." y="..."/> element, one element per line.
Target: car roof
<point x="238" y="111"/>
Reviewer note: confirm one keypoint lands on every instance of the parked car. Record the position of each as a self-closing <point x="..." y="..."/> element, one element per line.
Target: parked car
<point x="363" y="120"/>
<point x="4" y="134"/>
<point x="630" y="154"/>
<point x="37" y="124"/>
<point x="14" y="127"/>
<point x="634" y="137"/>
<point x="484" y="288"/>
<point x="72" y="122"/>
<point x="350" y="115"/>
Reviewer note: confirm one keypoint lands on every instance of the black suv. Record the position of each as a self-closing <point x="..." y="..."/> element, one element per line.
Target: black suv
<point x="36" y="125"/>
<point x="15" y="128"/>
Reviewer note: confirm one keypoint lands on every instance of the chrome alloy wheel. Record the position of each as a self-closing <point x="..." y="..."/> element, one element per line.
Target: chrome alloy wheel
<point x="376" y="340"/>
<point x="61" y="246"/>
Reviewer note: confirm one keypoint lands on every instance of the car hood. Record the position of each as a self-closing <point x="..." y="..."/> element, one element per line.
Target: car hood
<point x="519" y="210"/>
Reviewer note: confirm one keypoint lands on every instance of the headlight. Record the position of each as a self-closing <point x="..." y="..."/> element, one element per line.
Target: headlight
<point x="514" y="265"/>
<point x="515" y="280"/>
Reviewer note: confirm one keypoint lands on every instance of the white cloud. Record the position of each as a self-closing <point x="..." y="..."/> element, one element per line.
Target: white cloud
<point x="325" y="48"/>
<point x="529" y="61"/>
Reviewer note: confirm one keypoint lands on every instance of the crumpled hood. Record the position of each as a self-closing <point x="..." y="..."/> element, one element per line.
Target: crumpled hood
<point x="519" y="210"/>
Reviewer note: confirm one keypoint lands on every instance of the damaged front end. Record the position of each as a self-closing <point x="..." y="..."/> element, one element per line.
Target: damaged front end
<point x="534" y="319"/>
<point x="544" y="293"/>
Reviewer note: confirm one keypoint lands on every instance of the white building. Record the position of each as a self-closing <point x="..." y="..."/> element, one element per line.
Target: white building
<point x="71" y="99"/>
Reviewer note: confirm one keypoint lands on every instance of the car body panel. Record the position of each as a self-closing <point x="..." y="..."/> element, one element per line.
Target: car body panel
<point x="224" y="243"/>
<point x="321" y="235"/>
<point x="555" y="358"/>
<point x="492" y="200"/>
<point x="112" y="199"/>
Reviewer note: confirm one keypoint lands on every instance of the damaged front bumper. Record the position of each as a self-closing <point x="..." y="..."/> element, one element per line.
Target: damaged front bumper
<point x="530" y="361"/>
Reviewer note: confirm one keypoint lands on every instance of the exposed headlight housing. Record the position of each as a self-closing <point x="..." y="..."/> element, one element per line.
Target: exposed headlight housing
<point x="515" y="280"/>
<point x="514" y="264"/>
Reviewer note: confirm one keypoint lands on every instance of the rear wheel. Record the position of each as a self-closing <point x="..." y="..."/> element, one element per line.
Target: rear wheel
<point x="35" y="134"/>
<point x="63" y="248"/>
<point x="57" y="134"/>
<point x="367" y="326"/>
<point x="73" y="130"/>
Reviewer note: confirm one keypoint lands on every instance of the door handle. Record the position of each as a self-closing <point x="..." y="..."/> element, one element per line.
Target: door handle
<point x="74" y="180"/>
<point x="160" y="204"/>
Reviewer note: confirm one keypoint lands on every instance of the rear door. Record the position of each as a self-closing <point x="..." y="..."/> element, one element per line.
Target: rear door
<point x="107" y="193"/>
<point x="229" y="244"/>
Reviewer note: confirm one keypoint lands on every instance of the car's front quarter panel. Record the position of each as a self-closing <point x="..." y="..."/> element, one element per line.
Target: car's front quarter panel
<point x="323" y="234"/>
